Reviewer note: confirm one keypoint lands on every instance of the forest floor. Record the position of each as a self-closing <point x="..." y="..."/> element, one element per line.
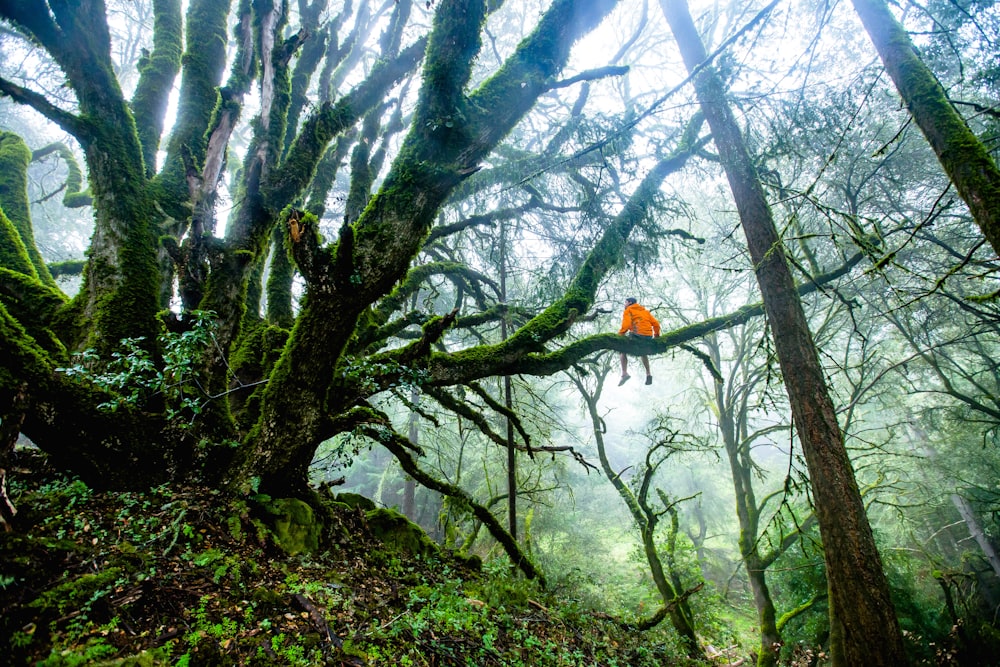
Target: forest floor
<point x="189" y="576"/>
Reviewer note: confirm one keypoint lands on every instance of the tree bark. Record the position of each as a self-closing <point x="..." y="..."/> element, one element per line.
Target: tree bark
<point x="14" y="159"/>
<point x="862" y="613"/>
<point x="965" y="159"/>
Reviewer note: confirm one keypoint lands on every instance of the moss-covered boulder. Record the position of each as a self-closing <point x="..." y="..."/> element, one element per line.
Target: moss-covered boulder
<point x="295" y="527"/>
<point x="355" y="501"/>
<point x="399" y="534"/>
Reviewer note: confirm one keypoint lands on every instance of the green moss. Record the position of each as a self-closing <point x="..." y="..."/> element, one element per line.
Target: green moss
<point x="152" y="658"/>
<point x="121" y="280"/>
<point x="325" y="174"/>
<point x="361" y="174"/>
<point x="74" y="196"/>
<point x="451" y="50"/>
<point x="69" y="267"/>
<point x="74" y="593"/>
<point x="203" y="63"/>
<point x="13" y="254"/>
<point x="35" y="306"/>
<point x="235" y="526"/>
<point x="399" y="534"/>
<point x="355" y="501"/>
<point x="305" y="66"/>
<point x="279" y="278"/>
<point x="255" y="355"/>
<point x="15" y="156"/>
<point x="157" y="72"/>
<point x="295" y="527"/>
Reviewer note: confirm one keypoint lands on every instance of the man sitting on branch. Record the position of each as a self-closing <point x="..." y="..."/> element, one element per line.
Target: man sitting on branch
<point x="639" y="322"/>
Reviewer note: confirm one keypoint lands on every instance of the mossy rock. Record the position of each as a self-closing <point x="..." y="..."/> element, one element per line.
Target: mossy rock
<point x="356" y="501"/>
<point x="294" y="526"/>
<point x="399" y="534"/>
<point x="473" y="562"/>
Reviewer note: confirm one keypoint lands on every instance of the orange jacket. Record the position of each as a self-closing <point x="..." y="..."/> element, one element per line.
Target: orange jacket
<point x="640" y="321"/>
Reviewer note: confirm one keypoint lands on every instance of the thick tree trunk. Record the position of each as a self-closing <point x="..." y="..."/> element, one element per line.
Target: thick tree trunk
<point x="863" y="614"/>
<point x="374" y="253"/>
<point x="964" y="158"/>
<point x="119" y="293"/>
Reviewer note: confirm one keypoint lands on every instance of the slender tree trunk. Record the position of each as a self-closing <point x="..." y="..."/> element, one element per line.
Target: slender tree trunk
<point x="409" y="485"/>
<point x="976" y="530"/>
<point x="670" y="594"/>
<point x="508" y="394"/>
<point x="862" y="613"/>
<point x="964" y="158"/>
<point x="749" y="520"/>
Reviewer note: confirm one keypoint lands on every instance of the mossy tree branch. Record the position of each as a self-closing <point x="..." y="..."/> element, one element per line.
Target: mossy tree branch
<point x="67" y="121"/>
<point x="313" y="50"/>
<point x="799" y="610"/>
<point x="204" y="62"/>
<point x="467" y="365"/>
<point x="33" y="303"/>
<point x="74" y="195"/>
<point x="157" y="71"/>
<point x="14" y="159"/>
<point x="120" y="291"/>
<point x="13" y="254"/>
<point x="332" y="119"/>
<point x="63" y="414"/>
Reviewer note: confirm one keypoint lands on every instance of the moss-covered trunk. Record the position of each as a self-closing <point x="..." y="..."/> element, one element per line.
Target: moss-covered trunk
<point x="451" y="133"/>
<point x="14" y="158"/>
<point x="119" y="295"/>
<point x="858" y="588"/>
<point x="123" y="449"/>
<point x="965" y="159"/>
<point x="120" y="292"/>
<point x="749" y="520"/>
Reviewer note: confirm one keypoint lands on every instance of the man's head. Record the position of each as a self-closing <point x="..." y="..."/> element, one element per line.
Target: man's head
<point x="629" y="301"/>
